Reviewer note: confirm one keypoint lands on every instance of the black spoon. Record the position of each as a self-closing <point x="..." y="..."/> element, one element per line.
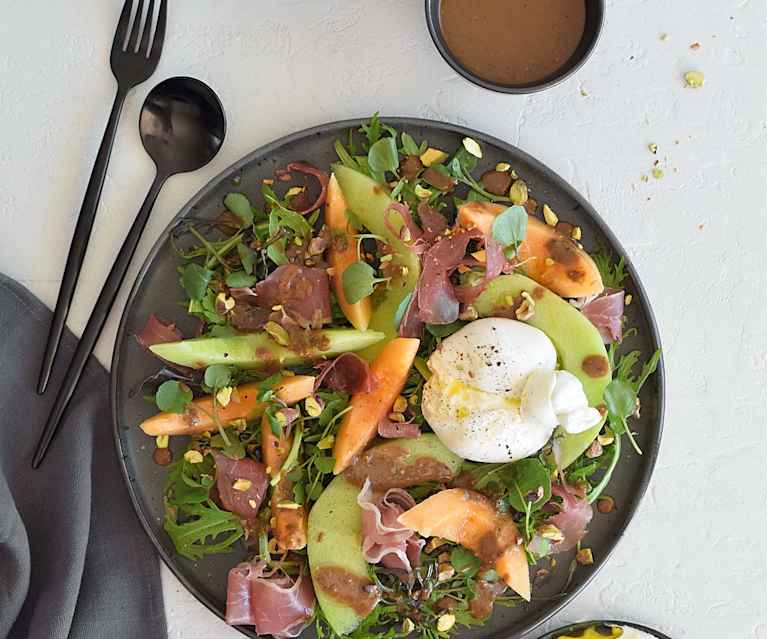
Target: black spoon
<point x="182" y="127"/>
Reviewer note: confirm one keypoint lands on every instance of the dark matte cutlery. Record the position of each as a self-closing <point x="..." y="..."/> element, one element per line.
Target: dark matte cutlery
<point x="132" y="62"/>
<point x="182" y="128"/>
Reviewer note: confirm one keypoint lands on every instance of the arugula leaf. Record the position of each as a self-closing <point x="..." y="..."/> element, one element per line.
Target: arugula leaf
<point x="383" y="156"/>
<point x="195" y="280"/>
<point x="359" y="280"/>
<point x="510" y="227"/>
<point x="173" y="396"/>
<point x="240" y="279"/>
<point x="464" y="561"/>
<point x="520" y="481"/>
<point x="374" y="129"/>
<point x="325" y="463"/>
<point x="247" y="257"/>
<point x="205" y="525"/>
<point x="463" y="163"/>
<point x="218" y="376"/>
<point x="613" y="274"/>
<point x="189" y="483"/>
<point x="238" y="204"/>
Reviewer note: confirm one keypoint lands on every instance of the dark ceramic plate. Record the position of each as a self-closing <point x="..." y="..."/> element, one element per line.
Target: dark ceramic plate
<point x="574" y="629"/>
<point x="157" y="291"/>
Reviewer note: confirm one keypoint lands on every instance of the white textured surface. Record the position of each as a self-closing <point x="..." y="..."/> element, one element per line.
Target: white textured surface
<point x="694" y="562"/>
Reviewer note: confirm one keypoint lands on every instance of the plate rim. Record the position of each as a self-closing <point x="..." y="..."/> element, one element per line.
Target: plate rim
<point x="558" y="182"/>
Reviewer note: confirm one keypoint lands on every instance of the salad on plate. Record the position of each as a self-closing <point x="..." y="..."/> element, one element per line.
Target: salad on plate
<point x="403" y="398"/>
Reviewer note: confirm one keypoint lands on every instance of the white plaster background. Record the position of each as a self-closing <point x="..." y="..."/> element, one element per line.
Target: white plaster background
<point x="694" y="562"/>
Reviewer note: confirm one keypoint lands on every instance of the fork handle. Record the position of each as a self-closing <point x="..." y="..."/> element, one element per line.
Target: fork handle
<point x="79" y="243"/>
<point x="96" y="321"/>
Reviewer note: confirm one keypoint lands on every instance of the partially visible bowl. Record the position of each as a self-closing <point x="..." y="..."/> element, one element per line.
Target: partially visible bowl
<point x="595" y="12"/>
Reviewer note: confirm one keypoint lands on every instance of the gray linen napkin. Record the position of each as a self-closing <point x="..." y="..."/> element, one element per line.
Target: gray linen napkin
<point x="74" y="561"/>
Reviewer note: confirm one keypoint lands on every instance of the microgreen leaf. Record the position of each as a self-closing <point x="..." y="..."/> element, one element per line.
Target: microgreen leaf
<point x="195" y="280"/>
<point x="247" y="257"/>
<point x="324" y="463"/>
<point x="359" y="280"/>
<point x="218" y="376"/>
<point x="509" y="228"/>
<point x="238" y="204"/>
<point x="383" y="156"/>
<point x="443" y="330"/>
<point x="240" y="279"/>
<point x="620" y="398"/>
<point x="173" y="396"/>
<point x="613" y="273"/>
<point x="532" y="484"/>
<point x="464" y="561"/>
<point x="408" y="145"/>
<point x="401" y="310"/>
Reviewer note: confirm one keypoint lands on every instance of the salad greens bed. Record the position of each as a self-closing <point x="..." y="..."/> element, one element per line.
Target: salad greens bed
<point x="221" y="264"/>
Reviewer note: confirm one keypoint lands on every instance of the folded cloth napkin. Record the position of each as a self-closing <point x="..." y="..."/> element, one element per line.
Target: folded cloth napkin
<point x="74" y="561"/>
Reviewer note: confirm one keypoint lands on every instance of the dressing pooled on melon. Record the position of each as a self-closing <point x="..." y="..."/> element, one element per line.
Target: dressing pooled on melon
<point x="495" y="394"/>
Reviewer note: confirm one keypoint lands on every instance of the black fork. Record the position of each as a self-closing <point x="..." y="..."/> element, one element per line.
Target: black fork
<point x="135" y="54"/>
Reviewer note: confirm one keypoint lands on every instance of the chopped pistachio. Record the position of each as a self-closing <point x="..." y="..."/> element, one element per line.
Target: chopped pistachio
<point x="295" y="190"/>
<point x="653" y="148"/>
<point x="595" y="450"/>
<point x="514" y="174"/>
<point x="694" y="79"/>
<point x="526" y="309"/>
<point x="605" y="504"/>
<point x="549" y="216"/>
<point x="502" y="167"/>
<point x="446" y="571"/>
<point x="252" y="503"/>
<point x="433" y="544"/>
<point x="585" y="557"/>
<point x="267" y="181"/>
<point x="576" y="233"/>
<point x="397" y="417"/>
<point x="224" y="396"/>
<point x="162" y="441"/>
<point x="407" y="626"/>
<point x="518" y="192"/>
<point x="421" y="192"/>
<point x="551" y="532"/>
<point x="549" y="261"/>
<point x="445" y="622"/>
<point x="400" y="404"/>
<point x="226" y="301"/>
<point x="312" y="406"/>
<point x="433" y="156"/>
<point x="330" y="271"/>
<point x="657" y="173"/>
<point x="289" y="505"/>
<point x="480" y="256"/>
<point x="468" y="314"/>
<point x="606" y="439"/>
<point x="326" y="443"/>
<point x="193" y="456"/>
<point x="277" y="333"/>
<point x="242" y="485"/>
<point x="628" y="299"/>
<point x="472" y="146"/>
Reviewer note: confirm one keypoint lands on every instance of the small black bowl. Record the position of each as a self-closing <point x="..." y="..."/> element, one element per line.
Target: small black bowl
<point x="595" y="13"/>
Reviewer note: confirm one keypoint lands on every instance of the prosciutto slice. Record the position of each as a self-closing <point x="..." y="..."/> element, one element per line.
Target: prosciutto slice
<point x="244" y="503"/>
<point x="275" y="604"/>
<point x="385" y="541"/>
<point x="574" y="515"/>
<point x="411" y="324"/>
<point x="432" y="221"/>
<point x="157" y="331"/>
<point x="606" y="313"/>
<point x="437" y="301"/>
<point x="302" y="292"/>
<point x="348" y="373"/>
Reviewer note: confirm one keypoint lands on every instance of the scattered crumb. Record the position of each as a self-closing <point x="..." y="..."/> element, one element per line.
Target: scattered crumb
<point x="657" y="173"/>
<point x="644" y="178"/>
<point x="653" y="148"/>
<point x="664" y="37"/>
<point x="694" y="79"/>
<point x="701" y="226"/>
<point x="584" y="93"/>
<point x="695" y="46"/>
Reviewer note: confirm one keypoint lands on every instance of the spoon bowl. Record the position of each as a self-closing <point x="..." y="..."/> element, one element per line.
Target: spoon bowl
<point x="182" y="125"/>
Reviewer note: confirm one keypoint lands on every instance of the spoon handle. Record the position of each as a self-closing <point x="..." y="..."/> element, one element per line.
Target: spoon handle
<point x="79" y="243"/>
<point x="96" y="322"/>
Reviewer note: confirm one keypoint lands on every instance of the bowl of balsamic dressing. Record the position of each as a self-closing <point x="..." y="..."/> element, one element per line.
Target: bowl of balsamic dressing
<point x="515" y="46"/>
